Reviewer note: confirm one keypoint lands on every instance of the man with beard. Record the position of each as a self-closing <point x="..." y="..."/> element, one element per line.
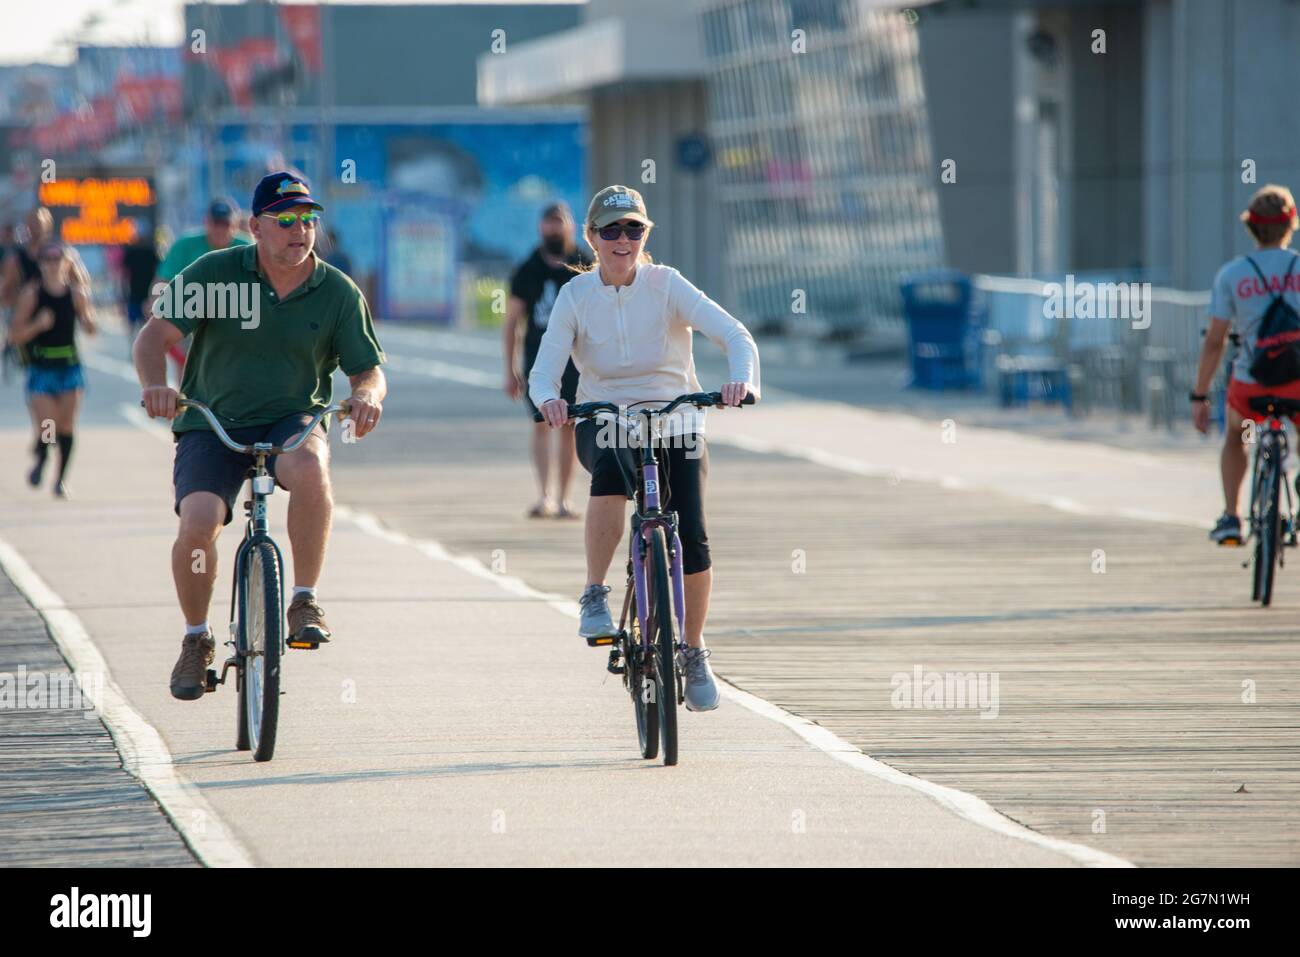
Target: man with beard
<point x="533" y="289"/>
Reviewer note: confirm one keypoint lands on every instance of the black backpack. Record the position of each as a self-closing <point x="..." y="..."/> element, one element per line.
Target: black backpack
<point x="1276" y="348"/>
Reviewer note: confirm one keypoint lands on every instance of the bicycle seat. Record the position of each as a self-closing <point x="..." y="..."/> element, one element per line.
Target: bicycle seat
<point x="1275" y="405"/>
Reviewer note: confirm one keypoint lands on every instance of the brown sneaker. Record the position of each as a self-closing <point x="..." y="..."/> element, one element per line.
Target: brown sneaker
<point x="190" y="676"/>
<point x="307" y="627"/>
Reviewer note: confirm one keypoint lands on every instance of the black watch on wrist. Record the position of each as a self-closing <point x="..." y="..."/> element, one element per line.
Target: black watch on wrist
<point x="1198" y="398"/>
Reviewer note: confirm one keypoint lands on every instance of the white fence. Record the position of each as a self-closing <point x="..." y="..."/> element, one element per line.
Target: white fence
<point x="1134" y="348"/>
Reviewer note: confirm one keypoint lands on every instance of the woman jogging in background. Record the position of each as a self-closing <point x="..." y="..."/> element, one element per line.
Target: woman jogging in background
<point x="1243" y="292"/>
<point x="44" y="327"/>
<point x="628" y="325"/>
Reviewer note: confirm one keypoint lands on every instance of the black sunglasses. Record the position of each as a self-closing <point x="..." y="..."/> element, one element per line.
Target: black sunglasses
<point x="632" y="231"/>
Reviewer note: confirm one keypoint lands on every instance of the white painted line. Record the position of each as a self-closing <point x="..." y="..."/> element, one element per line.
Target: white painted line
<point x="435" y="550"/>
<point x="157" y="428"/>
<point x="972" y="808"/>
<point x="965" y="805"/>
<point x="439" y="339"/>
<point x="143" y="751"/>
<point x="103" y="363"/>
<point x="444" y="370"/>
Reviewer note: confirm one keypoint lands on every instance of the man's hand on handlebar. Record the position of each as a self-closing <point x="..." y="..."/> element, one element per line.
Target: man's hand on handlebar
<point x="159" y="401"/>
<point x="555" y="412"/>
<point x="364" y="410"/>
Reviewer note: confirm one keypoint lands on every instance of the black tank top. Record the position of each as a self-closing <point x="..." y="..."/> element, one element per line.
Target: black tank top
<point x="57" y="345"/>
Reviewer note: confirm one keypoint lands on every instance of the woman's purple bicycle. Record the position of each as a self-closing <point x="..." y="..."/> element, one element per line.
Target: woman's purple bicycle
<point x="647" y="651"/>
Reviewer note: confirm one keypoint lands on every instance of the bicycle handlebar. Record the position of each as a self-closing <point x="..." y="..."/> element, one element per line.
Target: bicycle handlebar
<point x="701" y="400"/>
<point x="342" y="406"/>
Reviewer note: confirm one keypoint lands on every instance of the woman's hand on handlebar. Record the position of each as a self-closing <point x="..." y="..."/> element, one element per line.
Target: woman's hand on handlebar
<point x="733" y="393"/>
<point x="556" y="412"/>
<point x="159" y="401"/>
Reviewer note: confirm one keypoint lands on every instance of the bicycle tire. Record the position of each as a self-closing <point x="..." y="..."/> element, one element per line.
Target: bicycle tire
<point x="261" y="621"/>
<point x="643" y="704"/>
<point x="1270" y="535"/>
<point x="664" y="646"/>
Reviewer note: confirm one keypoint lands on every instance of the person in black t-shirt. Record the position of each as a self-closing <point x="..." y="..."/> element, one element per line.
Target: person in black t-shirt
<point x="139" y="265"/>
<point x="533" y="289"/>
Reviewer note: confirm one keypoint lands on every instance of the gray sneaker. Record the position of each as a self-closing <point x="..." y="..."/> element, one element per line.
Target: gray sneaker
<point x="701" y="689"/>
<point x="190" y="676"/>
<point x="596" y="626"/>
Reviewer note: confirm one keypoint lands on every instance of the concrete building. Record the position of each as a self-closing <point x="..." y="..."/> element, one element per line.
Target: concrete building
<point x="640" y="70"/>
<point x="1121" y="136"/>
<point x="1118" y="138"/>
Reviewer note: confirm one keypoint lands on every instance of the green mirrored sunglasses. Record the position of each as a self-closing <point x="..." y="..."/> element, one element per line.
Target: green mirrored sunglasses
<point x="309" y="217"/>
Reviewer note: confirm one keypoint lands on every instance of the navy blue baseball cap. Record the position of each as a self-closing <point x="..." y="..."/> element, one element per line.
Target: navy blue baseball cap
<point x="282" y="190"/>
<point x="222" y="210"/>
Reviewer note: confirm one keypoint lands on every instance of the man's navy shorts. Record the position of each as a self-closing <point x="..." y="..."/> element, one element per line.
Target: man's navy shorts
<point x="203" y="464"/>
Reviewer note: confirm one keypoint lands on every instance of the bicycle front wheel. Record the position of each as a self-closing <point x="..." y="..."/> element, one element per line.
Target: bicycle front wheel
<point x="261" y="623"/>
<point x="663" y="645"/>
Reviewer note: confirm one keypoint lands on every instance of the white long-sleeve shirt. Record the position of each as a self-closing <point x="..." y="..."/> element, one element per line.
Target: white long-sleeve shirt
<point x="632" y="343"/>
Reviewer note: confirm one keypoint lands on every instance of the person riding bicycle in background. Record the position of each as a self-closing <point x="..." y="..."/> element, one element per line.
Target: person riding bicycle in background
<point x="1243" y="293"/>
<point x="263" y="376"/>
<point x="533" y="290"/>
<point x="44" y="327"/>
<point x="628" y="325"/>
<point x="220" y="231"/>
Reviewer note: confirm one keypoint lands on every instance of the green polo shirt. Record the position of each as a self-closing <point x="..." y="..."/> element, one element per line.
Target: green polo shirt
<point x="255" y="358"/>
<point x="189" y="248"/>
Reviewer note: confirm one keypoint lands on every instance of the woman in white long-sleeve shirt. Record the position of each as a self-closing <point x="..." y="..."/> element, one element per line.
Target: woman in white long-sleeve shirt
<point x="628" y="323"/>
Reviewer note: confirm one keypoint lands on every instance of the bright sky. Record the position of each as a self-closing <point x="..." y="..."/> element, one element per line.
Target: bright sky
<point x="46" y="30"/>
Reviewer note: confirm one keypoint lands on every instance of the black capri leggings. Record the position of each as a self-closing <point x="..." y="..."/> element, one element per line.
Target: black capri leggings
<point x="687" y="460"/>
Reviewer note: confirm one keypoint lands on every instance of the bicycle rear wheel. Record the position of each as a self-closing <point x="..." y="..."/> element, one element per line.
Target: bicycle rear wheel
<point x="1266" y="548"/>
<point x="664" y="645"/>
<point x="261" y="618"/>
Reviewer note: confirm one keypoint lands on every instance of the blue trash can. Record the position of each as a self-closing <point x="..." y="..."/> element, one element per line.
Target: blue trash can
<point x="944" y="327"/>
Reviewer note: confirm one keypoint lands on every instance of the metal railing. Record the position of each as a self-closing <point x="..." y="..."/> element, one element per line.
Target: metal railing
<point x="1114" y="358"/>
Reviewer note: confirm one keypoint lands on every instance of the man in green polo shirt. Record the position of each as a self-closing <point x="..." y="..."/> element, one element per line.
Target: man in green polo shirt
<point x="219" y="232"/>
<point x="271" y="322"/>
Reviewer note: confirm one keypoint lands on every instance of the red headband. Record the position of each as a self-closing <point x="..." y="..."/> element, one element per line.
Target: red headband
<point x="1287" y="214"/>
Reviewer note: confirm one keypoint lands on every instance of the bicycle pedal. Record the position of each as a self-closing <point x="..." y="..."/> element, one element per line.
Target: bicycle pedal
<point x="603" y="641"/>
<point x="615" y="664"/>
<point x="210" y="680"/>
<point x="304" y="645"/>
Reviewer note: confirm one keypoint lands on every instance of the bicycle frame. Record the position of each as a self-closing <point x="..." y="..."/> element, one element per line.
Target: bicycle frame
<point x="255" y="531"/>
<point x="647" y="517"/>
<point x="255" y="527"/>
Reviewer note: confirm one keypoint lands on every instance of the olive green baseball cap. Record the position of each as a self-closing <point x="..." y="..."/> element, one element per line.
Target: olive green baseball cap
<point x="614" y="203"/>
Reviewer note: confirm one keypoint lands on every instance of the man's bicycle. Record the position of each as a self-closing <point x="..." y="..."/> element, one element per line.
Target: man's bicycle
<point x="257" y="627"/>
<point x="647" y="650"/>
<point x="1272" y="528"/>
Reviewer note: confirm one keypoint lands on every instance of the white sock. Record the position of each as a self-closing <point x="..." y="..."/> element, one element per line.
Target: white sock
<point x="300" y="590"/>
<point x="197" y="629"/>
